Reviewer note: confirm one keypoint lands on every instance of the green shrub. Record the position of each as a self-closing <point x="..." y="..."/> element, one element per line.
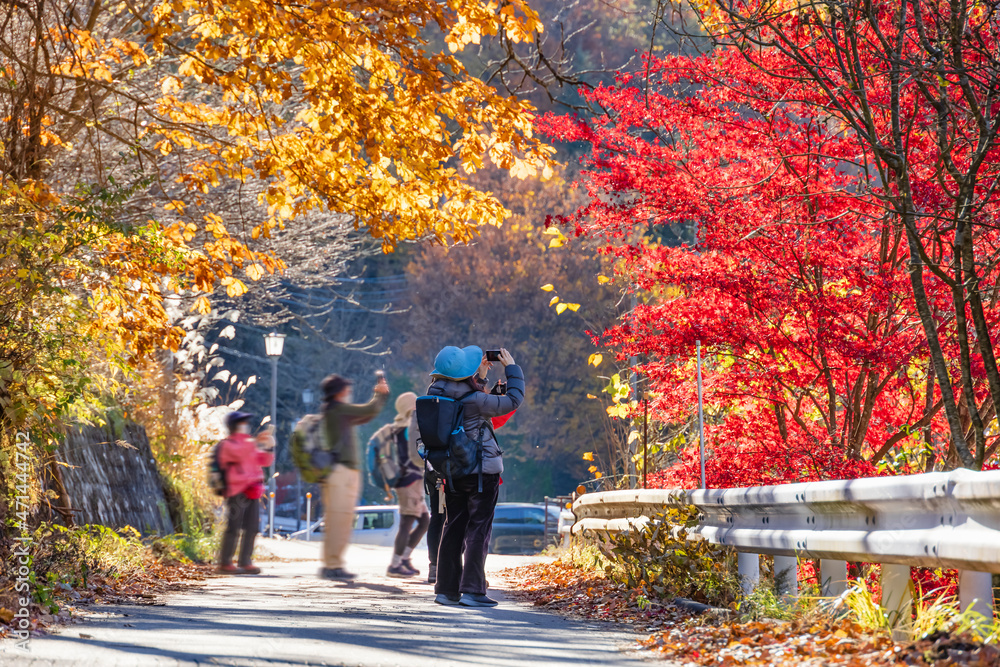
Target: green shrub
<point x="68" y="557"/>
<point x="184" y="548"/>
<point x="194" y="515"/>
<point x="659" y="560"/>
<point x="191" y="512"/>
<point x="72" y="554"/>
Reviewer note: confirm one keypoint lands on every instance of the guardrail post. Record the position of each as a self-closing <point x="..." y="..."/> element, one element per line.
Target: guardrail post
<point x="786" y="575"/>
<point x="545" y="525"/>
<point x="832" y="577"/>
<point x="896" y="598"/>
<point x="749" y="569"/>
<point x="309" y="524"/>
<point x="270" y="515"/>
<point x="975" y="590"/>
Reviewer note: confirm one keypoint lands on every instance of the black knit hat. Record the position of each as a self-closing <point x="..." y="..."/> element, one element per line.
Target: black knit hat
<point x="333" y="385"/>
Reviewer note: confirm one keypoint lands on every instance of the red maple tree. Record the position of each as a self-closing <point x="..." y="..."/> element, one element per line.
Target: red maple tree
<point x="916" y="84"/>
<point x="795" y="278"/>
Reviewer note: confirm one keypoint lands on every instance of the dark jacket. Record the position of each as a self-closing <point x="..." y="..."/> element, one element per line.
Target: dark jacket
<point x="339" y="420"/>
<point x="481" y="406"/>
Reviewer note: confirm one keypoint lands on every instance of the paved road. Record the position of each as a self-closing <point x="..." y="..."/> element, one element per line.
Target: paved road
<point x="288" y="616"/>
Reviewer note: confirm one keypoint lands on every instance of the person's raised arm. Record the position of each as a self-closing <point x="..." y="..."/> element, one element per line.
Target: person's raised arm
<point x="492" y="405"/>
<point x="368" y="411"/>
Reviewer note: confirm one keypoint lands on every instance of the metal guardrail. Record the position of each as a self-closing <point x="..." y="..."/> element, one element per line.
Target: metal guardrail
<point x="307" y="531"/>
<point x="946" y="520"/>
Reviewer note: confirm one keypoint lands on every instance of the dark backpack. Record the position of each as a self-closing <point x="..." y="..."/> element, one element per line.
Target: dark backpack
<point x="447" y="447"/>
<point x="216" y="475"/>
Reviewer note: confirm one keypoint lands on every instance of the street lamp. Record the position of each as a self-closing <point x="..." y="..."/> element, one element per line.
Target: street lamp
<point x="274" y="343"/>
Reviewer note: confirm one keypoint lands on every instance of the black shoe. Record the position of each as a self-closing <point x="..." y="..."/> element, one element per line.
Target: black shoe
<point x="447" y="600"/>
<point x="399" y="571"/>
<point x="476" y="600"/>
<point x="335" y="573"/>
<point x="408" y="566"/>
<point x="432" y="574"/>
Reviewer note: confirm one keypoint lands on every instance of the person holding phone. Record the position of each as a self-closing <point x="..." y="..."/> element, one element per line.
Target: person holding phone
<point x="242" y="458"/>
<point x="459" y="373"/>
<point x="342" y="486"/>
<point x="433" y="484"/>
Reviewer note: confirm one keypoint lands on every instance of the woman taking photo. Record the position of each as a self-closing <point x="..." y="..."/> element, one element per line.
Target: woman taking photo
<point x="461" y="374"/>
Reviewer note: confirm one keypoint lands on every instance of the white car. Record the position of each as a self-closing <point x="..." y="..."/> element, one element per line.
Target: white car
<point x="377" y="524"/>
<point x="373" y="524"/>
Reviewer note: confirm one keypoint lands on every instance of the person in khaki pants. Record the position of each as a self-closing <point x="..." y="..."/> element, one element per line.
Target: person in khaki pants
<point x="343" y="485"/>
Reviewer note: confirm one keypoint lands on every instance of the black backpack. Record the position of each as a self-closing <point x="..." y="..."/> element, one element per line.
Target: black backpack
<point x="216" y="475"/>
<point x="447" y="447"/>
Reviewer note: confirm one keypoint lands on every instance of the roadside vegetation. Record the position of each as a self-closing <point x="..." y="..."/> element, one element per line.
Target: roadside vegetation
<point x="684" y="600"/>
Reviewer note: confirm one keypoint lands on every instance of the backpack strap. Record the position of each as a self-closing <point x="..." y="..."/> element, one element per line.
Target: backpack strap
<point x="487" y="426"/>
<point x="479" y="456"/>
<point x="447" y="463"/>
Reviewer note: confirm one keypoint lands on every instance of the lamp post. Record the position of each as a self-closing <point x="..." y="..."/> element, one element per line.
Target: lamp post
<point x="701" y="420"/>
<point x="645" y="436"/>
<point x="274" y="343"/>
<point x="307" y="399"/>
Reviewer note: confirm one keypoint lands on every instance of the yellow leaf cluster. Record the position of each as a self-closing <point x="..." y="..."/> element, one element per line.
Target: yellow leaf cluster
<point x="379" y="127"/>
<point x="333" y="106"/>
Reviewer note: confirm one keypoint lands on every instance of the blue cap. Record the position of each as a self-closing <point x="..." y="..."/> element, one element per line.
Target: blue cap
<point x="457" y="363"/>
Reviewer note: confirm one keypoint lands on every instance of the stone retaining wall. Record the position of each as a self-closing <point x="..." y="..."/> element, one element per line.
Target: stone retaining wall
<point x="112" y="479"/>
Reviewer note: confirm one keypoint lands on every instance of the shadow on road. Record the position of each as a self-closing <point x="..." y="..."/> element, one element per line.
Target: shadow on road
<point x="291" y="617"/>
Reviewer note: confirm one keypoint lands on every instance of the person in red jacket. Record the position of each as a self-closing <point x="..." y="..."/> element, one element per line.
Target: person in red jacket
<point x="242" y="459"/>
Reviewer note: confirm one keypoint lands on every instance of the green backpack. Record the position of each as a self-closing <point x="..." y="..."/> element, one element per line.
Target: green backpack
<point x="311" y="453"/>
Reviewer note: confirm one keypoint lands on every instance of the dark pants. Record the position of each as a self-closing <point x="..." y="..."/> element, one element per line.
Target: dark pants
<point x="244" y="516"/>
<point x="434" y="528"/>
<point x="469" y="526"/>
<point x="411" y="529"/>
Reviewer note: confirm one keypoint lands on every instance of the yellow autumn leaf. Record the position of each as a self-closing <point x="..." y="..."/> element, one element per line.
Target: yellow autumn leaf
<point x="573" y="306"/>
<point x="592" y="469"/>
<point x="171" y="84"/>
<point x="591" y="396"/>
<point x="553" y="301"/>
<point x="547" y="287"/>
<point x="202" y="305"/>
<point x="598" y="475"/>
<point x="561" y="308"/>
<point x="588" y="456"/>
<point x="255" y="271"/>
<point x="603" y="280"/>
<point x="595" y="359"/>
<point x="234" y="287"/>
